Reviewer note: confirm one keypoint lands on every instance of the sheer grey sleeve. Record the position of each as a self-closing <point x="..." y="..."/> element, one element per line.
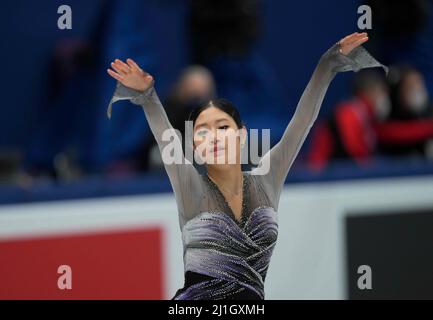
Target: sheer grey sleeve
<point x="281" y="156"/>
<point x="184" y="178"/>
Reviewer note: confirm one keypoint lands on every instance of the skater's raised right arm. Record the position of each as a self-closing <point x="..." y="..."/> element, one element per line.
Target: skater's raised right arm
<point x="137" y="85"/>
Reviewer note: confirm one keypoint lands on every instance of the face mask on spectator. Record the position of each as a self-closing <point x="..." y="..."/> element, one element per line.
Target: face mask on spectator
<point x="382" y="107"/>
<point x="417" y="100"/>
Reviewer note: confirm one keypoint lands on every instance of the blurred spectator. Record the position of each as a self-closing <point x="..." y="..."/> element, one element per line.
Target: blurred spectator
<point x="52" y="149"/>
<point x="224" y="37"/>
<point x="195" y="87"/>
<point x="350" y="131"/>
<point x="373" y="123"/>
<point x="126" y="30"/>
<point x="73" y="136"/>
<point x="402" y="33"/>
<point x="410" y="98"/>
<point x="409" y="129"/>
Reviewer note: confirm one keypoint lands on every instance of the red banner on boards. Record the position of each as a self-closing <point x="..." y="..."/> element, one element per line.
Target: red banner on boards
<point x="103" y="265"/>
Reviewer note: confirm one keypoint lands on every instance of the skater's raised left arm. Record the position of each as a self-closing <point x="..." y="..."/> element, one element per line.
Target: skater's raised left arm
<point x="347" y="54"/>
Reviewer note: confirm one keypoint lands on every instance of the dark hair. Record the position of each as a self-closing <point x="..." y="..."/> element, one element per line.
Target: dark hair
<point x="397" y="78"/>
<point x="222" y="104"/>
<point x="367" y="79"/>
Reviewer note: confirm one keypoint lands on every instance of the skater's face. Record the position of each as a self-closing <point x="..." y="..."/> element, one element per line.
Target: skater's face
<point x="217" y="138"/>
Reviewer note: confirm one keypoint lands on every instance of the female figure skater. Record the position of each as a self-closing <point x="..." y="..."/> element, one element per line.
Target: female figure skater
<point x="228" y="217"/>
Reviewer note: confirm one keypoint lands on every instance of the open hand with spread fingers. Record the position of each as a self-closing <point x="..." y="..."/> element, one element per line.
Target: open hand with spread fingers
<point x="130" y="75"/>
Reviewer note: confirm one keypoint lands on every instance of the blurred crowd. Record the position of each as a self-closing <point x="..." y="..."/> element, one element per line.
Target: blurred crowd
<point x="383" y="116"/>
<point x="388" y="117"/>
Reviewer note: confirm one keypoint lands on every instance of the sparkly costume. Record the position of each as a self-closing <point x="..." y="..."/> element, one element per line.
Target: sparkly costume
<point x="225" y="258"/>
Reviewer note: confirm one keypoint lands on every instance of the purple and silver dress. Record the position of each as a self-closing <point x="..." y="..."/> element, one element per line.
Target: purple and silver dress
<point x="225" y="258"/>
